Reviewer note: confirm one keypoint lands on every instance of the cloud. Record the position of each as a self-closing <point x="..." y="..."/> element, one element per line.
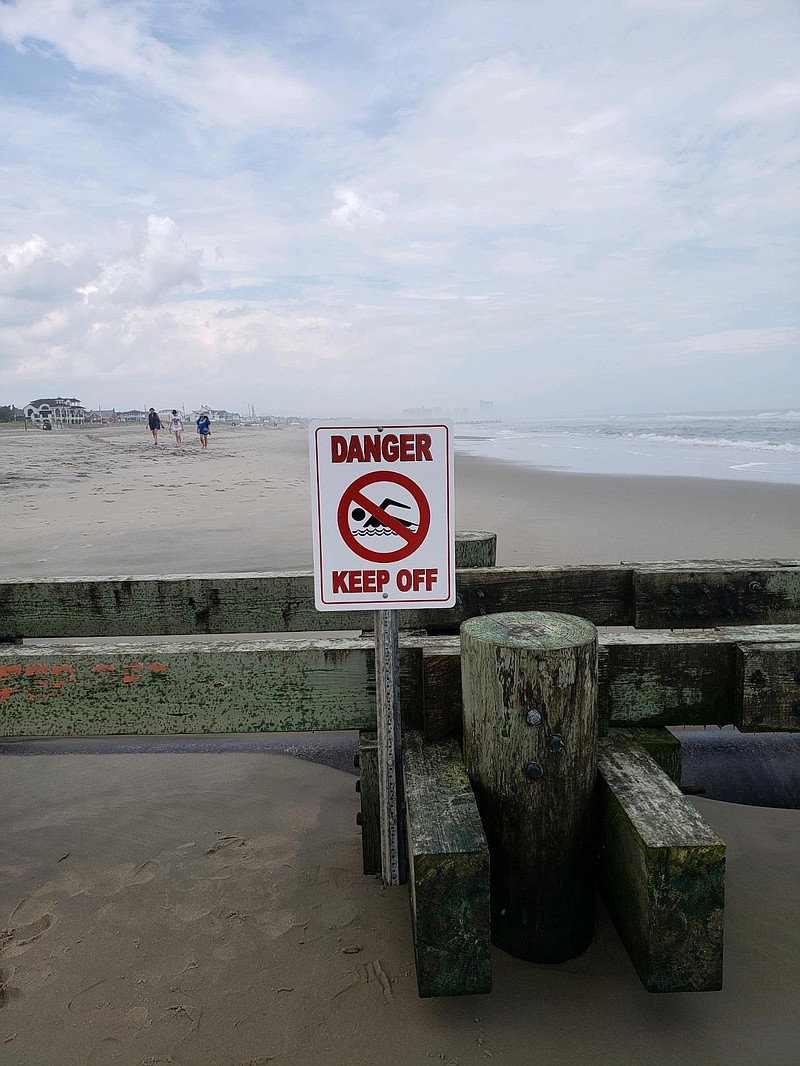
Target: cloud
<point x="402" y="203"/>
<point x="226" y="88"/>
<point x="166" y="263"/>
<point x="743" y="342"/>
<point x="354" y="212"/>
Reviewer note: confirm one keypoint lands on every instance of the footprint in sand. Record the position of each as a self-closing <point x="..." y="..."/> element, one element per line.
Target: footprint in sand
<point x="106" y="1052"/>
<point x="16" y="939"/>
<point x="7" y="992"/>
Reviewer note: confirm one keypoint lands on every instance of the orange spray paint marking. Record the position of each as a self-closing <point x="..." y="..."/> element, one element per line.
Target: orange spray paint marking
<point x="134" y="670"/>
<point x="104" y="668"/>
<point x="157" y="668"/>
<point x="63" y="669"/>
<point x="9" y="671"/>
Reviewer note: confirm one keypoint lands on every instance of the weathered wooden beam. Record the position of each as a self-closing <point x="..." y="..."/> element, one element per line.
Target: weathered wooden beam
<point x="284" y="602"/>
<point x="448" y="872"/>
<point x="688" y="677"/>
<point x="209" y="687"/>
<point x="477" y="548"/>
<point x="769" y="682"/>
<point x="646" y="677"/>
<point x="442" y="699"/>
<point x="370" y="819"/>
<point x="672" y="682"/>
<point x="661" y="872"/>
<point x="717" y="594"/>
<point x="663" y="747"/>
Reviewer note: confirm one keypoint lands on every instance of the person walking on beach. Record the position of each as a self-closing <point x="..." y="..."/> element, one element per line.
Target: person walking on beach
<point x="176" y="426"/>
<point x="204" y="428"/>
<point x="154" y="424"/>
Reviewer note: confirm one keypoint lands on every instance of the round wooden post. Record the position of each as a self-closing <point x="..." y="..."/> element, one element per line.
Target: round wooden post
<point x="530" y="748"/>
<point x="477" y="548"/>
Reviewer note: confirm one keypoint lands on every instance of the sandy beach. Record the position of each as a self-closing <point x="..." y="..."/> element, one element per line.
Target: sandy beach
<point x="105" y="501"/>
<point x="210" y="910"/>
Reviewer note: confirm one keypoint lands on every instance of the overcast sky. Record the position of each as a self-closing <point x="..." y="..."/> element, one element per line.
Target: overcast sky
<point x="343" y="207"/>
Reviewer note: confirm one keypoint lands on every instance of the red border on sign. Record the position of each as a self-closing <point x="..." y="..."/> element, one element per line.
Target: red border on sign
<point x="353" y="494"/>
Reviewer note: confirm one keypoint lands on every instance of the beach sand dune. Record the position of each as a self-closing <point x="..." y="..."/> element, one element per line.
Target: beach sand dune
<point x="208" y="910"/>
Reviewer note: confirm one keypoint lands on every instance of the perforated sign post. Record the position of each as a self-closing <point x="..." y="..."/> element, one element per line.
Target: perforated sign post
<point x="383" y="532"/>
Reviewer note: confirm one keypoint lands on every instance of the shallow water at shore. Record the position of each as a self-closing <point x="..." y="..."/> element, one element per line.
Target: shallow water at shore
<point x="762" y="447"/>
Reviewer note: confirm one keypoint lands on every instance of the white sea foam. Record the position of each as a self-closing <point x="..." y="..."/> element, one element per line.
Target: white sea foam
<point x="718" y="442"/>
<point x="763" y="446"/>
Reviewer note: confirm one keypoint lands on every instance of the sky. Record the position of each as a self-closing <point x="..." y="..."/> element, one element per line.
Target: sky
<point x="345" y="207"/>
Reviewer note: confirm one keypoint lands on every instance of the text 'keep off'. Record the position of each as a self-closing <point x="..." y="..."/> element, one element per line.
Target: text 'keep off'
<point x="382" y="516"/>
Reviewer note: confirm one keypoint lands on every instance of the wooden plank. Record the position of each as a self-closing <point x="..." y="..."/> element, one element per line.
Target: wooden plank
<point x="687" y="677"/>
<point x="769" y="683"/>
<point x="284" y="602"/>
<point x="646" y="677"/>
<point x="663" y="747"/>
<point x="448" y="872"/>
<point x="442" y="700"/>
<point x="167" y="605"/>
<point x="370" y="821"/>
<point x="209" y="687"/>
<point x="661" y="872"/>
<point x="477" y="548"/>
<point x="717" y="594"/>
<point x="673" y="682"/>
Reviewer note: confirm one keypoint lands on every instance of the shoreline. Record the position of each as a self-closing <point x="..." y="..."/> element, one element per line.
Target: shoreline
<point x="109" y="503"/>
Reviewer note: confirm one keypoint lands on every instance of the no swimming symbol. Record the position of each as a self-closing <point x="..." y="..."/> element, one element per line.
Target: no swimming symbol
<point x="377" y="526"/>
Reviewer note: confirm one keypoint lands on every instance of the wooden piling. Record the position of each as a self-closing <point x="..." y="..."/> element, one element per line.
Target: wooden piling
<point x="475" y="549"/>
<point x="530" y="748"/>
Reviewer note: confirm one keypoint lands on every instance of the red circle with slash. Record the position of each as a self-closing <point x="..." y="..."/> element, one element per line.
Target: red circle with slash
<point x="354" y="495"/>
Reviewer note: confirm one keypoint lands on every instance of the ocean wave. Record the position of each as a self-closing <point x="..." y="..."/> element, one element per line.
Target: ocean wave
<point x="717" y="442"/>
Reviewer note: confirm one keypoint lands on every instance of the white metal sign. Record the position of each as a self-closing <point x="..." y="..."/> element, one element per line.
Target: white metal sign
<point x="382" y="516"/>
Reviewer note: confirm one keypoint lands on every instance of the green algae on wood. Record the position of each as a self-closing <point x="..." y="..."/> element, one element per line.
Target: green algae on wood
<point x="769" y="683"/>
<point x="661" y="745"/>
<point x="530" y="736"/>
<point x="284" y="602"/>
<point x="477" y="548"/>
<point x="661" y="872"/>
<point x="448" y="871"/>
<point x="209" y="687"/>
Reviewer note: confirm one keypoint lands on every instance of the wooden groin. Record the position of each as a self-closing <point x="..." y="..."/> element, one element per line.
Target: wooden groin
<point x="703" y="643"/>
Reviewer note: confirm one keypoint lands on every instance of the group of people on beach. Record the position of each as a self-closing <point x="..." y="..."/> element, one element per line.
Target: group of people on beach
<point x="176" y="426"/>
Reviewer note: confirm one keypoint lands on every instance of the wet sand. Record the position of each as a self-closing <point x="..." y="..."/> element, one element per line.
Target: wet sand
<point x="209" y="909"/>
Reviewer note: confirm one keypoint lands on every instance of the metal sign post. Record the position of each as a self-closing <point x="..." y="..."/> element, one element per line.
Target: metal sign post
<point x="382" y="527"/>
<point x="390" y="780"/>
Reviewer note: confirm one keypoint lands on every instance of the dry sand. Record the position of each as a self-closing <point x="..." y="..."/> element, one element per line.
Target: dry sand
<point x="209" y="910"/>
<point x="105" y="501"/>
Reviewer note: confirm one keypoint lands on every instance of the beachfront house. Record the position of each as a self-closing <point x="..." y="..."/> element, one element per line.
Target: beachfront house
<point x="59" y="411"/>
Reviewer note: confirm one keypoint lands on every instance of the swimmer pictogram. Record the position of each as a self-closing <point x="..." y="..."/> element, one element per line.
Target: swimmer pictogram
<point x="376" y="525"/>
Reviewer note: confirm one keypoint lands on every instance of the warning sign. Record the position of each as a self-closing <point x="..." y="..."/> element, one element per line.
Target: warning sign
<point x="382" y="515"/>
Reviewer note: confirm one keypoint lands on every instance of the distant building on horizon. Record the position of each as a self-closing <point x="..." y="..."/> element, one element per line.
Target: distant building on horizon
<point x="58" y="411"/>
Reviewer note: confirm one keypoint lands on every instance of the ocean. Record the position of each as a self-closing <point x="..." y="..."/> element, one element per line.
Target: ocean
<point x="741" y="446"/>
